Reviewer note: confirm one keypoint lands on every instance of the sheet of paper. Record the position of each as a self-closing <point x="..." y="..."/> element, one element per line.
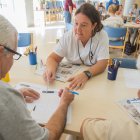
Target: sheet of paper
<point x="132" y="107"/>
<point x="132" y="78"/>
<point x="64" y="71"/>
<point x="42" y="109"/>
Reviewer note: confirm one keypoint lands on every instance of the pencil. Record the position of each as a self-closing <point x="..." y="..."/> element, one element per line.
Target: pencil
<point x="34" y="108"/>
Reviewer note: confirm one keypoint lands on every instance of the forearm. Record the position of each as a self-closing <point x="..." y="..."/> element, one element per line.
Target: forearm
<point x="70" y="9"/>
<point x="52" y="61"/>
<point x="51" y="64"/>
<point x="57" y="122"/>
<point x="99" y="67"/>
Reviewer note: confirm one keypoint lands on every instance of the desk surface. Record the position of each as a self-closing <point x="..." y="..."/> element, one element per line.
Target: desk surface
<point x="97" y="99"/>
<point x="132" y="25"/>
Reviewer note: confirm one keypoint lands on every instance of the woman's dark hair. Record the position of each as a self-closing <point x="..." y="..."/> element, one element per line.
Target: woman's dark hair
<point x="136" y="5"/>
<point x="94" y="16"/>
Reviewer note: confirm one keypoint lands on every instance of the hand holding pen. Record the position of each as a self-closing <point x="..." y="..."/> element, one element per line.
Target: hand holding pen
<point x="66" y="96"/>
<point x="49" y="76"/>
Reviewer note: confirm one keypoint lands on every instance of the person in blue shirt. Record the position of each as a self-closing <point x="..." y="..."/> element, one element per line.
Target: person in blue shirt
<point x="116" y="2"/>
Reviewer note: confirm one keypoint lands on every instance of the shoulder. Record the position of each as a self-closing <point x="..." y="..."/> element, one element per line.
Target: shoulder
<point x="69" y="35"/>
<point x="101" y="37"/>
<point x="108" y="19"/>
<point x="6" y="92"/>
<point x="119" y="17"/>
<point x="102" y="34"/>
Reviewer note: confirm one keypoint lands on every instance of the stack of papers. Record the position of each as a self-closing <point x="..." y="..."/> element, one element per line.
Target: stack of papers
<point x="132" y="107"/>
<point x="64" y="71"/>
<point x="43" y="108"/>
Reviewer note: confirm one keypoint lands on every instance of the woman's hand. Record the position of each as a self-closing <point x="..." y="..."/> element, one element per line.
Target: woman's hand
<point x="78" y="81"/>
<point x="49" y="76"/>
<point x="29" y="94"/>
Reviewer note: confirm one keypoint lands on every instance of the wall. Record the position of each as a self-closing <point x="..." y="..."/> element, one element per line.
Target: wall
<point x="29" y="12"/>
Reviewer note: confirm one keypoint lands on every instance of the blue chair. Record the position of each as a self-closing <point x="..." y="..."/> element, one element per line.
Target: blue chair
<point x="116" y="37"/>
<point x="25" y="40"/>
<point x="129" y="63"/>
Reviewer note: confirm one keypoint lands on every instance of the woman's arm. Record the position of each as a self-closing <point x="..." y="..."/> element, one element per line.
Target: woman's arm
<point x="80" y="80"/>
<point x="52" y="63"/>
<point x="99" y="67"/>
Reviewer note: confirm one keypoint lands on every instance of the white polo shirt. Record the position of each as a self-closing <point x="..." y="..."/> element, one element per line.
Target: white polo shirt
<point x="69" y="45"/>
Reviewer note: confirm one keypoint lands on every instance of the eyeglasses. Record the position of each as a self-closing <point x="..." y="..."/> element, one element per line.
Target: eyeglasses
<point x="16" y="55"/>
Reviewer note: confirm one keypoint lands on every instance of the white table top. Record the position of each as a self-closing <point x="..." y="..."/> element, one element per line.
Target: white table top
<point x="97" y="99"/>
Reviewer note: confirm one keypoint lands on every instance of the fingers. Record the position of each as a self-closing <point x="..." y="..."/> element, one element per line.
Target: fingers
<point x="28" y="99"/>
<point x="66" y="97"/>
<point x="31" y="93"/>
<point x="49" y="76"/>
<point x="78" y="81"/>
<point x="70" y="79"/>
<point x="75" y="84"/>
<point x="60" y="92"/>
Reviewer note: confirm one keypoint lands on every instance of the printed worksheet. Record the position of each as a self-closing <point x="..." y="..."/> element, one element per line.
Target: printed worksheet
<point x="43" y="108"/>
<point x="64" y="71"/>
<point x="132" y="107"/>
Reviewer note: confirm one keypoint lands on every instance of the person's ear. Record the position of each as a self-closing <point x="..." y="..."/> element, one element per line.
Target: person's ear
<point x="94" y="25"/>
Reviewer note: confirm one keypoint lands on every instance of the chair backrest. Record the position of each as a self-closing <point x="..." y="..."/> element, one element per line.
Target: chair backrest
<point x="59" y="4"/>
<point x="114" y="32"/>
<point x="24" y="39"/>
<point x="129" y="63"/>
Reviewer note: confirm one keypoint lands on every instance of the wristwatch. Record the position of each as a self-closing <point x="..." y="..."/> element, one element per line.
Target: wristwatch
<point x="88" y="74"/>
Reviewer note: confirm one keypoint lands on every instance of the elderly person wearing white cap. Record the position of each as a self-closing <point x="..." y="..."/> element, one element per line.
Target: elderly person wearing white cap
<point x="16" y="122"/>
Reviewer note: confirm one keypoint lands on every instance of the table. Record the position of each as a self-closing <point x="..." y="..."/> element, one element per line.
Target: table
<point x="97" y="99"/>
<point x="132" y="25"/>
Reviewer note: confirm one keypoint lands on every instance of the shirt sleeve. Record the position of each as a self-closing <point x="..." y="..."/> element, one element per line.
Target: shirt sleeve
<point x="103" y="51"/>
<point x="96" y="129"/>
<point x="16" y="120"/>
<point x="103" y="129"/>
<point x="61" y="47"/>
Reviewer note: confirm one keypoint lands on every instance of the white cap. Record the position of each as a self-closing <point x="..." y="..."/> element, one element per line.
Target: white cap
<point x="8" y="33"/>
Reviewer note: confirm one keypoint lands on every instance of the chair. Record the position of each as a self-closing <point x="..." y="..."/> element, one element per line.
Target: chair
<point x="25" y="40"/>
<point x="129" y="63"/>
<point x="116" y="37"/>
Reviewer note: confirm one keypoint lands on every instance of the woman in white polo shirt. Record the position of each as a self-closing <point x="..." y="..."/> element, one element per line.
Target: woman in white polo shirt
<point x="87" y="44"/>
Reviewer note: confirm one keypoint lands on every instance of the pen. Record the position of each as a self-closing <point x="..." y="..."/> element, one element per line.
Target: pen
<point x="35" y="49"/>
<point x="48" y="84"/>
<point x="41" y="62"/>
<point x="25" y="85"/>
<point x="73" y="92"/>
<point x="47" y="91"/>
<point x="34" y="108"/>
